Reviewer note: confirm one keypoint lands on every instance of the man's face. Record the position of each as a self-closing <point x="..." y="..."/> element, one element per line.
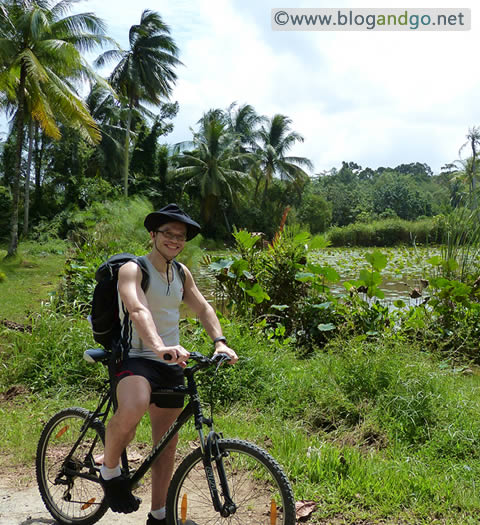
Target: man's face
<point x="169" y="238"/>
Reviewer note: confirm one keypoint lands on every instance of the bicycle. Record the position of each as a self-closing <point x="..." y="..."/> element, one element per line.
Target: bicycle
<point x="222" y="481"/>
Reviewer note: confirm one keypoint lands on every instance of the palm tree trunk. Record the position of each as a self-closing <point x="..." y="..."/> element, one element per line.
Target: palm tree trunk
<point x="474" y="182"/>
<point x="227" y="224"/>
<point x="265" y="190"/>
<point x="27" y="179"/>
<point x="12" y="248"/>
<point x="39" y="149"/>
<point x="126" y="151"/>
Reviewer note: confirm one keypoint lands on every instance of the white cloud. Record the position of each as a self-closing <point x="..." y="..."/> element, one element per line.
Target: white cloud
<point x="374" y="98"/>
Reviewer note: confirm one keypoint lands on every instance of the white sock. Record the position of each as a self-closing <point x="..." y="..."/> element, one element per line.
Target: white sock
<point x="159" y="514"/>
<point x="110" y="473"/>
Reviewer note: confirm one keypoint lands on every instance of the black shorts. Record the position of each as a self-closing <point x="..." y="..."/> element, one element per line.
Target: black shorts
<point x="159" y="375"/>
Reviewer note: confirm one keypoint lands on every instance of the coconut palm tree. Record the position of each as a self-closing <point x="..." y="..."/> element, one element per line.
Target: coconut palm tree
<point x="244" y="122"/>
<point x="105" y="108"/>
<point x="145" y="73"/>
<point x="210" y="165"/>
<point x="274" y="140"/>
<point x="40" y="60"/>
<point x="473" y="140"/>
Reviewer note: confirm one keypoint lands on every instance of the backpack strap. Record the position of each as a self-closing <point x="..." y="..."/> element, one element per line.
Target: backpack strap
<point x="145" y="275"/>
<point x="181" y="272"/>
<point x="126" y="333"/>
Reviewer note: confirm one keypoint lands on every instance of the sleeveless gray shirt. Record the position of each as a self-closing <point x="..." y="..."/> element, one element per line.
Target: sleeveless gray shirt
<point x="165" y="311"/>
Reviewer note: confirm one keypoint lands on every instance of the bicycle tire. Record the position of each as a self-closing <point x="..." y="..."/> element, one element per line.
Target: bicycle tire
<point x="71" y="499"/>
<point x="255" y="480"/>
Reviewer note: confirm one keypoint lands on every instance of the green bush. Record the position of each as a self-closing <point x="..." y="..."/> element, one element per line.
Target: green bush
<point x="100" y="232"/>
<point x="51" y="356"/>
<point x="387" y="232"/>
<point x="399" y="391"/>
<point x="47" y="229"/>
<point x="5" y="205"/>
<point x="112" y="226"/>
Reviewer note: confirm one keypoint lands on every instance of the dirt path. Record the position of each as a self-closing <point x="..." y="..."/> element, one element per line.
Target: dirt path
<point x="24" y="506"/>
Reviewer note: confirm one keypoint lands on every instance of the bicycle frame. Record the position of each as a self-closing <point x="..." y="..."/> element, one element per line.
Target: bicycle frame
<point x="107" y="402"/>
<point x="209" y="446"/>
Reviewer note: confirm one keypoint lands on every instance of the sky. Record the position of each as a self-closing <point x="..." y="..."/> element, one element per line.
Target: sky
<point x="374" y="98"/>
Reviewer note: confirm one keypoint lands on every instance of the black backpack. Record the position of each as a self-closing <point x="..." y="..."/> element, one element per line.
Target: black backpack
<point x="105" y="315"/>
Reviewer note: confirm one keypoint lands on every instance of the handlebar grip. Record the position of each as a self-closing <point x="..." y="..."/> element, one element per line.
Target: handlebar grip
<point x="167" y="357"/>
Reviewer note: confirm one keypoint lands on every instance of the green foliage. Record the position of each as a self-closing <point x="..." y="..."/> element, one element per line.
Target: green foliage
<point x="101" y="231"/>
<point x="388" y="232"/>
<point x="236" y="275"/>
<point x="112" y="226"/>
<point x="451" y="321"/>
<point x="262" y="285"/>
<point x="460" y="245"/>
<point x="315" y="212"/>
<point x="401" y="195"/>
<point x="51" y="356"/>
<point x="5" y="205"/>
<point x="50" y="229"/>
<point x="322" y="314"/>
<point x="363" y="195"/>
<point x="258" y="281"/>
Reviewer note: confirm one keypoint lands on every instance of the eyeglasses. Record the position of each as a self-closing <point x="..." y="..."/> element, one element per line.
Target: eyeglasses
<point x="172" y="236"/>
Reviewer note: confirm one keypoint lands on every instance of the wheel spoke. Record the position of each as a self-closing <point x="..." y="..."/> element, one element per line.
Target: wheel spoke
<point x="256" y="484"/>
<point x="68" y="495"/>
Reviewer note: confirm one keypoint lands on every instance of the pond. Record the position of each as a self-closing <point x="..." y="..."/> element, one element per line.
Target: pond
<point x="406" y="266"/>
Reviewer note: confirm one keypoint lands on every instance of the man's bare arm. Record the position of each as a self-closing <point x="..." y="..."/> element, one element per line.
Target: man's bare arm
<point x="200" y="306"/>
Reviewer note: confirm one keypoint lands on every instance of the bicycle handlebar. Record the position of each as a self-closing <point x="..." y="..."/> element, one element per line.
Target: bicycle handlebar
<point x="93" y="355"/>
<point x="205" y="361"/>
<point x="202" y="359"/>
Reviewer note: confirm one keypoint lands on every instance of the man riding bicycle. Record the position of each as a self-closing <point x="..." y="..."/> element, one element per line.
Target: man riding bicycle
<point x="154" y="314"/>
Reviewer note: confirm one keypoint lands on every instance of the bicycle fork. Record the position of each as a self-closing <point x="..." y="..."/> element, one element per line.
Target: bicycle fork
<point x="213" y="452"/>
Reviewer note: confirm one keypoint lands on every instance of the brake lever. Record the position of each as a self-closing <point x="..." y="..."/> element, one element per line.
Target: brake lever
<point x="220" y="359"/>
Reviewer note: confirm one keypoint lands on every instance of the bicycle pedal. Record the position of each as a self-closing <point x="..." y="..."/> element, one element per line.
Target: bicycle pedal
<point x="137" y="485"/>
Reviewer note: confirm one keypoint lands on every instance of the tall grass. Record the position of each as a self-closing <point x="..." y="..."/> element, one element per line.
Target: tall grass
<point x="387" y="232"/>
<point x="365" y="430"/>
<point x="113" y="226"/>
<point x="30" y="278"/>
<point x="461" y="243"/>
<point x="50" y="358"/>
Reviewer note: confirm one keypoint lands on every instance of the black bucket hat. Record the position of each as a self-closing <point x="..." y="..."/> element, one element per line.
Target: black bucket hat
<point x="171" y="213"/>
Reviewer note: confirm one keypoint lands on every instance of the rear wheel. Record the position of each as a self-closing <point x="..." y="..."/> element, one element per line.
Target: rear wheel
<point x="69" y="480"/>
<point x="258" y="487"/>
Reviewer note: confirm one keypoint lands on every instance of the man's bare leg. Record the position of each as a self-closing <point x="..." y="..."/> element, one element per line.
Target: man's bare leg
<point x="133" y="395"/>
<point x="162" y="469"/>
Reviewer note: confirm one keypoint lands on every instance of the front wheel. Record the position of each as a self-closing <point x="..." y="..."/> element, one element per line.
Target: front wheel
<point x="257" y="485"/>
<point x="67" y="474"/>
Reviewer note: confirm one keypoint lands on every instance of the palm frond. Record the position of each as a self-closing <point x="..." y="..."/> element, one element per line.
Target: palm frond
<point x="107" y="57"/>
